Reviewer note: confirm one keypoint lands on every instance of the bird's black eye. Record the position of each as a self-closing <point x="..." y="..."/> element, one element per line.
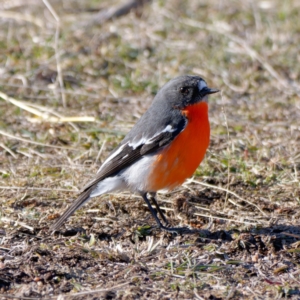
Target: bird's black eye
<point x="185" y="90"/>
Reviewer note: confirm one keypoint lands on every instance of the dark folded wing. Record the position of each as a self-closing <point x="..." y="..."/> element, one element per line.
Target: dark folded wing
<point x="128" y="153"/>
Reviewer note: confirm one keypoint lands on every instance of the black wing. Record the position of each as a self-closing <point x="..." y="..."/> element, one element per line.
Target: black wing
<point x="129" y="155"/>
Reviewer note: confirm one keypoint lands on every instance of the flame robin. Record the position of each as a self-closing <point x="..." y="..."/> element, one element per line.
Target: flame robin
<point x="164" y="148"/>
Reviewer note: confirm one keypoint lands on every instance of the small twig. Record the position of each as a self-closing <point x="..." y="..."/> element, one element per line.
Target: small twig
<point x="234" y="203"/>
<point x="65" y="120"/>
<point x="103" y="219"/>
<point x="7" y="220"/>
<point x="20" y="104"/>
<point x="8" y="150"/>
<point x="43" y="112"/>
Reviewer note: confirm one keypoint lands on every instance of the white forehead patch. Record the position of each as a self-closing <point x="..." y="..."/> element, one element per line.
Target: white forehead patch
<point x="201" y="85"/>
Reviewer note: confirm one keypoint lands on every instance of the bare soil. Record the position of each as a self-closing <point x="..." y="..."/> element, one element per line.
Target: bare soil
<point x="71" y="87"/>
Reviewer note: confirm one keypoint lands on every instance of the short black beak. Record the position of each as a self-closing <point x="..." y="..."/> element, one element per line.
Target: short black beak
<point x="208" y="91"/>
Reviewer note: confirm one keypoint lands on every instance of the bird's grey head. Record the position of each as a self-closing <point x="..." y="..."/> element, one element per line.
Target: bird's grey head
<point x="185" y="90"/>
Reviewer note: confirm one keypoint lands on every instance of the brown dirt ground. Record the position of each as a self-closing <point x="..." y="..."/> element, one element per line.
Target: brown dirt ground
<point x="244" y="199"/>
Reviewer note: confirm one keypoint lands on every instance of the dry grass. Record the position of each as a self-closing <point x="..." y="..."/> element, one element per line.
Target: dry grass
<point x="69" y="93"/>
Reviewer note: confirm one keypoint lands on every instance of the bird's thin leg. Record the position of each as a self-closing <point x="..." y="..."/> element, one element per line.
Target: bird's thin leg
<point x="153" y="198"/>
<point x="160" y="225"/>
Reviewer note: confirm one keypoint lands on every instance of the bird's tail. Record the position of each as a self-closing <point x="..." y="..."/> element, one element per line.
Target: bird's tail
<point x="84" y="197"/>
<point x="95" y="188"/>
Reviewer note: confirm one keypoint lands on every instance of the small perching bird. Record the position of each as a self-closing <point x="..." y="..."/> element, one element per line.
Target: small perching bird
<point x="165" y="147"/>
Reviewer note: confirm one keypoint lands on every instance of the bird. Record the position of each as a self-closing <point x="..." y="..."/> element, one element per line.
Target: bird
<point x="161" y="151"/>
